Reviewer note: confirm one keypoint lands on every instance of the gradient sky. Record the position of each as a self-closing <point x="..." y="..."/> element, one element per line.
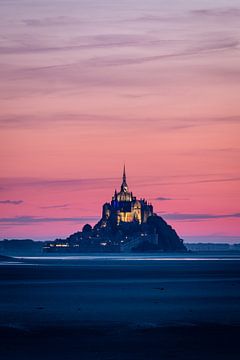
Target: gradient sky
<point x="88" y="85"/>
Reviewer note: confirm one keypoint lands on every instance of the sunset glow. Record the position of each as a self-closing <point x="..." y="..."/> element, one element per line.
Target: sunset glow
<point x="87" y="86"/>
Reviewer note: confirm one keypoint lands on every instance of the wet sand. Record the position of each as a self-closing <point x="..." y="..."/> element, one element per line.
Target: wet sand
<point x="112" y="309"/>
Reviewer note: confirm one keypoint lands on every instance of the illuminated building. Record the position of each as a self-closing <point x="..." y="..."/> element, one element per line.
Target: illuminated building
<point x="126" y="208"/>
<point x="127" y="224"/>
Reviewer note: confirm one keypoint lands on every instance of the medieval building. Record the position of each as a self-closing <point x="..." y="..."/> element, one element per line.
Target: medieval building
<point x="125" y="207"/>
<point x="127" y="224"/>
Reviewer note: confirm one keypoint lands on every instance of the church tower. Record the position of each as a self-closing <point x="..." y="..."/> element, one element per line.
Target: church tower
<point x="124" y="194"/>
<point x="124" y="186"/>
<point x="125" y="208"/>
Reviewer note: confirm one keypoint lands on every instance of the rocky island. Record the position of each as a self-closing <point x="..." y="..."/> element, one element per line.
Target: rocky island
<point x="127" y="224"/>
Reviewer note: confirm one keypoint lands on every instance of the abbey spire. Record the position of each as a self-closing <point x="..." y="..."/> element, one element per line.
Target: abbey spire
<point x="124" y="186"/>
<point x="124" y="173"/>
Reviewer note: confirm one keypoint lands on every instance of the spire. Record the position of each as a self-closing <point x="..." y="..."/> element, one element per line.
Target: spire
<point x="124" y="173"/>
<point x="124" y="186"/>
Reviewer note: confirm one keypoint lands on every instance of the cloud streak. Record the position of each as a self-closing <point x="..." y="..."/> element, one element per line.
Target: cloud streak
<point x="73" y="119"/>
<point x="52" y="21"/>
<point x="90" y="42"/>
<point x="223" y="13"/>
<point x="160" y="198"/>
<point x="66" y="184"/>
<point x="30" y="220"/>
<point x="198" y="217"/>
<point x="11" y="202"/>
<point x="206" y="47"/>
<point x="101" y="183"/>
<point x="61" y="206"/>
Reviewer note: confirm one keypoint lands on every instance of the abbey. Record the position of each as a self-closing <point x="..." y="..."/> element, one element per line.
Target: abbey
<point x="127" y="224"/>
<point x="125" y="207"/>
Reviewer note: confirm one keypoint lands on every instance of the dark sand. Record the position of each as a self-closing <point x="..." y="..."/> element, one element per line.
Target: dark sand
<point x="52" y="309"/>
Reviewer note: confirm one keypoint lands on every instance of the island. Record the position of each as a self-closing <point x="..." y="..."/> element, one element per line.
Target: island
<point x="127" y="224"/>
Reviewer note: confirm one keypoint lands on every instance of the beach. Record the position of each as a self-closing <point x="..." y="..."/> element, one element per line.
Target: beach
<point x="120" y="308"/>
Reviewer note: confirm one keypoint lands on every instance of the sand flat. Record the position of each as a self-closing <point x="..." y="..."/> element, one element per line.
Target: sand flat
<point x="119" y="310"/>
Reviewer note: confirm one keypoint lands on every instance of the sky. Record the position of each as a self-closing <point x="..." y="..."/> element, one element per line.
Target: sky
<point x="89" y="85"/>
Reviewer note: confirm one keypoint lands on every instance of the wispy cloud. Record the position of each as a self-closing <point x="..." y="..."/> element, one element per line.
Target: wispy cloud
<point x="153" y="18"/>
<point x="61" y="206"/>
<point x="198" y="217"/>
<point x="53" y="21"/>
<point x="79" y="184"/>
<point x="14" y="121"/>
<point x="201" y="48"/>
<point x="225" y="179"/>
<point x="199" y="181"/>
<point x="160" y="198"/>
<point x="84" y="42"/>
<point x="167" y="124"/>
<point x="225" y="12"/>
<point x="29" y="220"/>
<point x="106" y="183"/>
<point x="11" y="202"/>
<point x="179" y="17"/>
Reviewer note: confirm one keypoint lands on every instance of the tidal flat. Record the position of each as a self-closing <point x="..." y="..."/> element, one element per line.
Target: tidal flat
<point x="111" y="307"/>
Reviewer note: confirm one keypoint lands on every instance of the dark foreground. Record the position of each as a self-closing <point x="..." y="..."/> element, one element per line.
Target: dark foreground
<point x="120" y="310"/>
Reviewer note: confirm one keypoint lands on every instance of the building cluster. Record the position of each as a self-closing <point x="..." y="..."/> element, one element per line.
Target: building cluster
<point x="127" y="224"/>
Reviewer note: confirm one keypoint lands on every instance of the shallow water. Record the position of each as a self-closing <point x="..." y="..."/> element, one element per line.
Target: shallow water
<point x="213" y="256"/>
<point x="124" y="306"/>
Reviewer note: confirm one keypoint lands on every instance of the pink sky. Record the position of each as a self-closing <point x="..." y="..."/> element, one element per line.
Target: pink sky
<point x="88" y="85"/>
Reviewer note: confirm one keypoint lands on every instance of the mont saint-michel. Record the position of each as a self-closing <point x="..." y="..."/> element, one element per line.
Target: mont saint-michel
<point x="127" y="224"/>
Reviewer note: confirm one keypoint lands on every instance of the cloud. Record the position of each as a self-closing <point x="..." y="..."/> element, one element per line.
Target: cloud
<point x="105" y="183"/>
<point x="52" y="21"/>
<point x="29" y="220"/>
<point x="159" y="17"/>
<point x="198" y="217"/>
<point x="13" y="121"/>
<point x="213" y="180"/>
<point x="79" y="184"/>
<point x="227" y="150"/>
<point x="166" y="124"/>
<point x="61" y="206"/>
<point x="84" y="42"/>
<point x="30" y="48"/>
<point x="226" y="13"/>
<point x="11" y="202"/>
<point x="203" y="47"/>
<point x="163" y="198"/>
<point x="230" y="74"/>
<point x="183" y="182"/>
<point x="154" y="18"/>
<point x="161" y="46"/>
<point x="82" y="73"/>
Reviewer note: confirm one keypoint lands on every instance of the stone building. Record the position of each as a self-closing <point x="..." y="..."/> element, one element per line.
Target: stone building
<point x="127" y="224"/>
<point x="126" y="208"/>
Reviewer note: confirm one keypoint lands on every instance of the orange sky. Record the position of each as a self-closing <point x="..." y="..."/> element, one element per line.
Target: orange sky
<point x="85" y="88"/>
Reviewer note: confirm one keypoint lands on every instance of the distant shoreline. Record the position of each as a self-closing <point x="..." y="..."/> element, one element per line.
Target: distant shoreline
<point x="30" y="247"/>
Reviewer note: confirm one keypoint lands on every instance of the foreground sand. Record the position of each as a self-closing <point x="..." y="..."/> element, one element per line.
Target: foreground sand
<point x="120" y="310"/>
